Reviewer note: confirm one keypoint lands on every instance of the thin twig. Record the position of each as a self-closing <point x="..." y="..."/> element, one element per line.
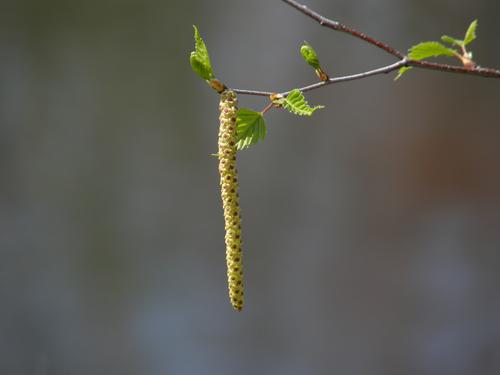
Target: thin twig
<point x="252" y="92"/>
<point x="477" y="70"/>
<point x="335" y="25"/>
<point x="268" y="107"/>
<point x="382" y="70"/>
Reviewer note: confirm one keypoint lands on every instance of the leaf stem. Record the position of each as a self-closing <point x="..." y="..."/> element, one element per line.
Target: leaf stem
<point x="268" y="107"/>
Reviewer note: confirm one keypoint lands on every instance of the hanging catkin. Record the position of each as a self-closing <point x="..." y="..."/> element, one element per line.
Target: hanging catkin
<point x="230" y="197"/>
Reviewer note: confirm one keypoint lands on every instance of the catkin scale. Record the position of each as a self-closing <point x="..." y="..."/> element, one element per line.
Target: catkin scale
<point x="230" y="198"/>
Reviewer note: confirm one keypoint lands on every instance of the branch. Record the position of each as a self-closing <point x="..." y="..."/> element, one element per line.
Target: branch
<point x="382" y="70"/>
<point x="477" y="70"/>
<point x="483" y="72"/>
<point x="403" y="60"/>
<point x="323" y="21"/>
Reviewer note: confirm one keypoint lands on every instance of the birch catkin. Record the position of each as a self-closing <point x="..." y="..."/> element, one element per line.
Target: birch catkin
<point x="230" y="197"/>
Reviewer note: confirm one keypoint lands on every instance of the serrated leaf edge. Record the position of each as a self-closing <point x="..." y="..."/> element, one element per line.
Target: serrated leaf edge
<point x="296" y="103"/>
<point x="440" y="50"/>
<point x="253" y="132"/>
<point x="200" y="54"/>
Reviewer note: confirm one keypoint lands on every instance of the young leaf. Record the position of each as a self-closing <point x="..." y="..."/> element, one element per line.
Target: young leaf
<point x="402" y="71"/>
<point x="199" y="59"/>
<point x="470" y="35"/>
<point x="452" y="41"/>
<point x="199" y="68"/>
<point x="250" y="128"/>
<point x="428" y="49"/>
<point x="296" y="103"/>
<point x="309" y="54"/>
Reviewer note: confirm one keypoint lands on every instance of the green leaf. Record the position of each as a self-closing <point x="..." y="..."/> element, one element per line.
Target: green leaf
<point x="309" y="54"/>
<point x="199" y="68"/>
<point x="402" y="71"/>
<point x="470" y="35"/>
<point x="452" y="41"/>
<point x="250" y="128"/>
<point x="428" y="49"/>
<point x="296" y="103"/>
<point x="199" y="59"/>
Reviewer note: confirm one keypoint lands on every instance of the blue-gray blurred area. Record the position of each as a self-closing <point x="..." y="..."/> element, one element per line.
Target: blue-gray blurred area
<point x="371" y="230"/>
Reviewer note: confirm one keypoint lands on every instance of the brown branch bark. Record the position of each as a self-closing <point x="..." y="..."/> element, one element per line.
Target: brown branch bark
<point x="335" y="25"/>
<point x="477" y="70"/>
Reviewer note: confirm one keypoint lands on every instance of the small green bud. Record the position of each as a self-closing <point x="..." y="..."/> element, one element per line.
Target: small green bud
<point x="309" y="54"/>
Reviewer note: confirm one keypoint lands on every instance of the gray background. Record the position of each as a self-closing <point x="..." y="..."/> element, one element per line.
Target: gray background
<point x="371" y="230"/>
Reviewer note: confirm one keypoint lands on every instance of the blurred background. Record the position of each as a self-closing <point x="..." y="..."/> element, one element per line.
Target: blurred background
<point x="371" y="230"/>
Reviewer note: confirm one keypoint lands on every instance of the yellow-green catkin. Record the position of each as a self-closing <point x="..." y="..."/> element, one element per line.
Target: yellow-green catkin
<point x="230" y="197"/>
